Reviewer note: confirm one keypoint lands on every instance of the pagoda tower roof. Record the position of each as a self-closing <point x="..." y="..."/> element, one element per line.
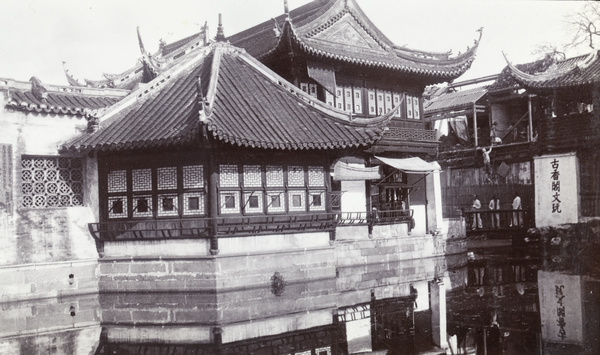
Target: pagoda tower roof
<point x="339" y="30"/>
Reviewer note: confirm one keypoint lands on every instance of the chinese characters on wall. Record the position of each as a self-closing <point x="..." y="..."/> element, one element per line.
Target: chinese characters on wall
<point x="555" y="174"/>
<point x="560" y="311"/>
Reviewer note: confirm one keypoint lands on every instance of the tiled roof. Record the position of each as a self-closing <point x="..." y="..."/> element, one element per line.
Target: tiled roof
<point x="454" y="100"/>
<point x="246" y="105"/>
<point x="577" y="71"/>
<point x="59" y="100"/>
<point x="338" y="29"/>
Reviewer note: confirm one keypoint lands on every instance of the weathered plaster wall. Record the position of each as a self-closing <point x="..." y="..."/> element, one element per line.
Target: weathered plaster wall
<point x="38" y="238"/>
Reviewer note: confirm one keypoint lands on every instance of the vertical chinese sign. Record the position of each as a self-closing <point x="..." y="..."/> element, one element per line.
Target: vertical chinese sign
<point x="560" y="307"/>
<point x="556" y="190"/>
<point x="6" y="179"/>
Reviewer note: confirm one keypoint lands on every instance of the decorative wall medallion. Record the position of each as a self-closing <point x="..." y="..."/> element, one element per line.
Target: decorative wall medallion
<point x="277" y="284"/>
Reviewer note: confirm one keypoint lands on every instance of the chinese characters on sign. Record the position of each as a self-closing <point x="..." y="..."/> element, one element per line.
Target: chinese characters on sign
<point x="560" y="311"/>
<point x="555" y="174"/>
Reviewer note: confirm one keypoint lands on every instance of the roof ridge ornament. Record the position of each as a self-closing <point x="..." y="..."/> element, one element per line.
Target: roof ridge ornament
<point x="220" y="33"/>
<point x="204" y="33"/>
<point x="203" y="111"/>
<point x="141" y="43"/>
<point x="286" y="10"/>
<point x="38" y="90"/>
<point x="70" y="78"/>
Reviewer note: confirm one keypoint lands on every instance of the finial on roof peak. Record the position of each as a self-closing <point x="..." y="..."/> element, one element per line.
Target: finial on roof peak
<point x="220" y="33"/>
<point x="142" y="49"/>
<point x="286" y="8"/>
<point x="204" y="33"/>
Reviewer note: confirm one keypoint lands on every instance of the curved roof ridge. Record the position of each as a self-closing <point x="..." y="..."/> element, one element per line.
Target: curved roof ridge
<point x="437" y="57"/>
<point x="542" y="76"/>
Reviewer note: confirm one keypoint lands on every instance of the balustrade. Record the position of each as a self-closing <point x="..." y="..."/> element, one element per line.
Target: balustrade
<point x="236" y="226"/>
<point x="498" y="220"/>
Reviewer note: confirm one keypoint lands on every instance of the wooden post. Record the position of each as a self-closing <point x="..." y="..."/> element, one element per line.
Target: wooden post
<point x="530" y="119"/>
<point x="213" y="202"/>
<point x="475" y="124"/>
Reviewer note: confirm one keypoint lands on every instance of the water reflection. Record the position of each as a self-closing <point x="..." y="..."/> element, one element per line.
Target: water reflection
<point x="501" y="300"/>
<point x="494" y="306"/>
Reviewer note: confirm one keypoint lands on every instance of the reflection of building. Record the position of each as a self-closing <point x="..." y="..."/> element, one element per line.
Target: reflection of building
<point x="295" y="150"/>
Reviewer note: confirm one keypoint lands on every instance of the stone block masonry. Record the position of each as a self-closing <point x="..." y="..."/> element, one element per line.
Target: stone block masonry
<point x="46" y="280"/>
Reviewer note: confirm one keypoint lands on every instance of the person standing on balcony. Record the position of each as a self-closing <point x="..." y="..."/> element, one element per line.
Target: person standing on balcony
<point x="494" y="206"/>
<point x="517" y="219"/>
<point x="476" y="216"/>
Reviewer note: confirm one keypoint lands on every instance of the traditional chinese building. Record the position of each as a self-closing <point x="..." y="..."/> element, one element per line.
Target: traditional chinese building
<point x="292" y="152"/>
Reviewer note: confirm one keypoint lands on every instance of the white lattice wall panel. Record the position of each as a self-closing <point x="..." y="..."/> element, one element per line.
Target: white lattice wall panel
<point x="51" y="182"/>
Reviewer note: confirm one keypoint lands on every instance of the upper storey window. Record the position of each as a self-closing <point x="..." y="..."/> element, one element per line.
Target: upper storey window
<point x="364" y="101"/>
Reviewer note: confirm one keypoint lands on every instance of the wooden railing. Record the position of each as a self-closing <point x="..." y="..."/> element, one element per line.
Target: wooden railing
<point x="235" y="226"/>
<point x="498" y="220"/>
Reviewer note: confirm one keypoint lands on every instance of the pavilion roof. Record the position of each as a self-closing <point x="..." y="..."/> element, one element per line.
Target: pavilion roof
<point x="568" y="73"/>
<point x="225" y="92"/>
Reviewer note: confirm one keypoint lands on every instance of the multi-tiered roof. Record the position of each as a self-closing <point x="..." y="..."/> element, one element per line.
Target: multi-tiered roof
<point x="336" y="30"/>
<point x="222" y="93"/>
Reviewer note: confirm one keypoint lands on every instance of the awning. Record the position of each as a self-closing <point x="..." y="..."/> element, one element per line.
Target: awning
<point x="323" y="74"/>
<point x="413" y="165"/>
<point x="346" y="172"/>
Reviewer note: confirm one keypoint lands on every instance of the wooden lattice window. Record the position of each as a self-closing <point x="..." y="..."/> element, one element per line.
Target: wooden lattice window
<point x="51" y="182"/>
<point x="167" y="191"/>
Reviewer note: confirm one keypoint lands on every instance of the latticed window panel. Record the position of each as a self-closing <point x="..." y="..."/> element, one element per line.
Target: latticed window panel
<point x="142" y="206"/>
<point x="51" y="182"/>
<point x="168" y="205"/>
<point x="274" y="176"/>
<point x="228" y="176"/>
<point x="275" y="201"/>
<point x="193" y="176"/>
<point x="316" y="200"/>
<point x="316" y="176"/>
<point x="167" y="178"/>
<point x="230" y="202"/>
<point x="252" y="176"/>
<point x="193" y="203"/>
<point x="117" y="181"/>
<point x="117" y="207"/>
<point x="253" y="202"/>
<point x="141" y="179"/>
<point x="297" y="201"/>
<point x="296" y="176"/>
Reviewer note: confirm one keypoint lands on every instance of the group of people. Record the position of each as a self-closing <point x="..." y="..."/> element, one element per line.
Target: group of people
<point x="494" y="205"/>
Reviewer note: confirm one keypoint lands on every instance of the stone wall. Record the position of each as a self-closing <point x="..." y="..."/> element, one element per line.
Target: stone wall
<point x="51" y="326"/>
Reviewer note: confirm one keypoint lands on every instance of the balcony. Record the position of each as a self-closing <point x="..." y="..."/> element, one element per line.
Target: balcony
<point x="236" y="226"/>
